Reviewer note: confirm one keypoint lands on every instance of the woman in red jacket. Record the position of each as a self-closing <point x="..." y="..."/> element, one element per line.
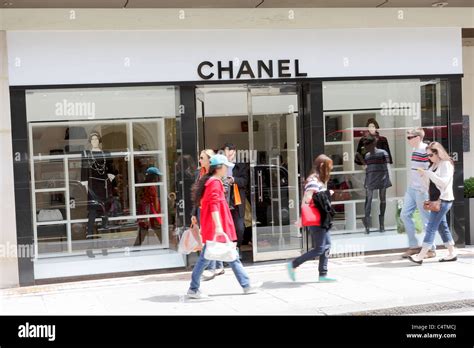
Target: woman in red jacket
<point x="216" y="218"/>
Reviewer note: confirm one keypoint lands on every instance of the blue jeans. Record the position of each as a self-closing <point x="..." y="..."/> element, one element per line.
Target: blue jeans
<point x="438" y="222"/>
<point x="321" y="247"/>
<point x="202" y="263"/>
<point x="213" y="265"/>
<point x="414" y="199"/>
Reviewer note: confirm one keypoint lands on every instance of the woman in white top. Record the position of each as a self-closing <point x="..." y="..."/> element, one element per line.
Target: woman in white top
<point x="438" y="180"/>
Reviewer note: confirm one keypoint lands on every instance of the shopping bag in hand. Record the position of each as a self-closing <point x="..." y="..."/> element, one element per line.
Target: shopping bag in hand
<point x="221" y="251"/>
<point x="190" y="240"/>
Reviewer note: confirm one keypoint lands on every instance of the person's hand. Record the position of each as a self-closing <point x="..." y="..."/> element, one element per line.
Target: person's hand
<point x="420" y="171"/>
<point x="219" y="230"/>
<point x="194" y="220"/>
<point x="331" y="192"/>
<point x="230" y="180"/>
<point x="111" y="177"/>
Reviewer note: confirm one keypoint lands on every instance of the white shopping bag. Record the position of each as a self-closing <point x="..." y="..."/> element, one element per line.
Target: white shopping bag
<point x="221" y="251"/>
<point x="190" y="240"/>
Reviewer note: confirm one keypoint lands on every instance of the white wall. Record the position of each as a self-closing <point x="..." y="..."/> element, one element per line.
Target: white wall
<point x="8" y="261"/>
<point x="468" y="105"/>
<point x="85" y="57"/>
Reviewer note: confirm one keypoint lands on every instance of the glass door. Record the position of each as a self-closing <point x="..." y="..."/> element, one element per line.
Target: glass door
<point x="274" y="178"/>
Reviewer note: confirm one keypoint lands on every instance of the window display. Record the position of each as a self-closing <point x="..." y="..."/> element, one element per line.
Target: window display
<point x="365" y="135"/>
<point x="101" y="186"/>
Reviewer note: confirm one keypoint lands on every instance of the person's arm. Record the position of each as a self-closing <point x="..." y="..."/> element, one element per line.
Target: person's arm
<point x="443" y="175"/>
<point x="110" y="166"/>
<point x="84" y="170"/>
<point x="242" y="177"/>
<point x="214" y="189"/>
<point x="359" y="159"/>
<point x="387" y="148"/>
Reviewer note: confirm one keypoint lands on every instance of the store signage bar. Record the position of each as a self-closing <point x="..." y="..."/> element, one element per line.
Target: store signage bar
<point x="281" y="69"/>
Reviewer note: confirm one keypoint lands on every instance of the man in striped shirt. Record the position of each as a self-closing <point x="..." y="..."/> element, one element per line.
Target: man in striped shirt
<point x="416" y="193"/>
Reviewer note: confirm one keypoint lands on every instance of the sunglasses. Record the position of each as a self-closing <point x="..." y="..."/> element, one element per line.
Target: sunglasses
<point x="431" y="154"/>
<point x="410" y="137"/>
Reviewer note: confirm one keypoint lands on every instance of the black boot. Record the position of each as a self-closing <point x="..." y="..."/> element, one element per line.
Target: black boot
<point x="366" y="223"/>
<point x="381" y="223"/>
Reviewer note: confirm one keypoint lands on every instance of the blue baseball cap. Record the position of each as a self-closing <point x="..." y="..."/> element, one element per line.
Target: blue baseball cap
<point x="153" y="170"/>
<point x="217" y="160"/>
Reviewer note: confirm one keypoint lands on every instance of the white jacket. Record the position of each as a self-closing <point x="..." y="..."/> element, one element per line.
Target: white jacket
<point x="442" y="178"/>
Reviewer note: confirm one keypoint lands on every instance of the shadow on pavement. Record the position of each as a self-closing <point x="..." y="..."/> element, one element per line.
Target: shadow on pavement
<point x="402" y="264"/>
<point x="174" y="299"/>
<point x="284" y="285"/>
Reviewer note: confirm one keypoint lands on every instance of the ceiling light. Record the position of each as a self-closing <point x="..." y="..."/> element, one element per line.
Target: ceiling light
<point x="440" y="4"/>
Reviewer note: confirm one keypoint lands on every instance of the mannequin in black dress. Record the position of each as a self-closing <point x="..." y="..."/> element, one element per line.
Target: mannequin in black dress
<point x="97" y="176"/>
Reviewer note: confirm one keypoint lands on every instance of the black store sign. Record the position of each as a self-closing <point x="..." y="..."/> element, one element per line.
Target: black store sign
<point x="280" y="69"/>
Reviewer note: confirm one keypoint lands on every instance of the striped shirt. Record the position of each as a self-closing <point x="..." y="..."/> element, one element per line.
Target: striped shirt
<point x="314" y="184"/>
<point x="419" y="159"/>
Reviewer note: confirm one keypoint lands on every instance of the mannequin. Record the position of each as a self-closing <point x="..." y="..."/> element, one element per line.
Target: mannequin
<point x="377" y="178"/>
<point x="97" y="176"/>
<point x="382" y="142"/>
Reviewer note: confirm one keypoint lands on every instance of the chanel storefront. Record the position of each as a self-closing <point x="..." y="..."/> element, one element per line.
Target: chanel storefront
<point x="107" y="128"/>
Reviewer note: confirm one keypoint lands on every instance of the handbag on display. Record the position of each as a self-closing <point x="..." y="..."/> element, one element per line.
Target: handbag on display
<point x="310" y="215"/>
<point x="434" y="206"/>
<point x="221" y="251"/>
<point x="49" y="215"/>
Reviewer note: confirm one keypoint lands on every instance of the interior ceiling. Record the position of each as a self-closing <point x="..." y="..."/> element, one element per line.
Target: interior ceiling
<point x="226" y="3"/>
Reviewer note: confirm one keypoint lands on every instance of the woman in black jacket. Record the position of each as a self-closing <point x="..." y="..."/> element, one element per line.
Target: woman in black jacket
<point x="382" y="142"/>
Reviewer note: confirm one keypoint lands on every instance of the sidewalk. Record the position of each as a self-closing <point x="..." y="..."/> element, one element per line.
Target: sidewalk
<point x="366" y="283"/>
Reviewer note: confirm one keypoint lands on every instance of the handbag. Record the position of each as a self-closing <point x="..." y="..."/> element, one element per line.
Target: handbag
<point x="190" y="240"/>
<point x="434" y="206"/>
<point x="220" y="251"/>
<point x="49" y="215"/>
<point x="310" y="215"/>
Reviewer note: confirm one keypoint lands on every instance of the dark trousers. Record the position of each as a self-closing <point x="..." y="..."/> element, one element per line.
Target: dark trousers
<point x="239" y="223"/>
<point x="321" y="246"/>
<point x="368" y="201"/>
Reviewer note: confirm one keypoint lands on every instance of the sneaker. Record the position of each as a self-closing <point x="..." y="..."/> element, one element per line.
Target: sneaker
<point x="196" y="294"/>
<point x="291" y="271"/>
<point x="410" y="252"/>
<point x="219" y="272"/>
<point x="430" y="254"/>
<point x="253" y="288"/>
<point x="208" y="275"/>
<point x="326" y="279"/>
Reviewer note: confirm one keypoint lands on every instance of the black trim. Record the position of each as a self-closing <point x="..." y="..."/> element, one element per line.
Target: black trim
<point x="455" y="139"/>
<point x="189" y="145"/>
<point x="21" y="175"/>
<point x="228" y="82"/>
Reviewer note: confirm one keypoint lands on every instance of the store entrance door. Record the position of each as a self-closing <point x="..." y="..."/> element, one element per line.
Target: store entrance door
<point x="262" y="122"/>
